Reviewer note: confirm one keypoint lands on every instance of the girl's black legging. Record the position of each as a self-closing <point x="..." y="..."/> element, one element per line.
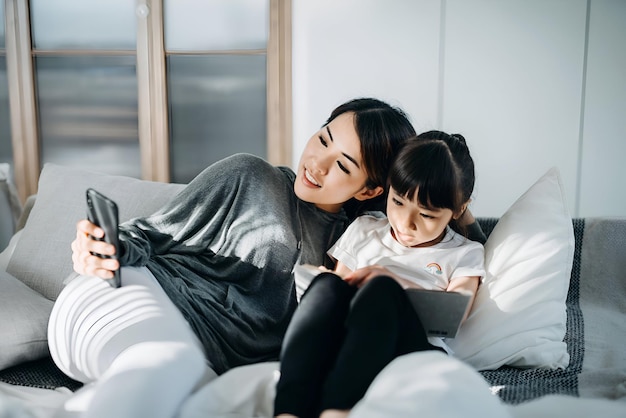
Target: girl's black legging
<point x="339" y="339"/>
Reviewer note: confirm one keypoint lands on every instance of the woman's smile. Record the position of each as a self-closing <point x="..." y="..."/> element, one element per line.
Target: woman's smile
<point x="309" y="179"/>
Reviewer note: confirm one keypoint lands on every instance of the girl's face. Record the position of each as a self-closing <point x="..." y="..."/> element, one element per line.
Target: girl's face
<point x="331" y="170"/>
<point x="413" y="225"/>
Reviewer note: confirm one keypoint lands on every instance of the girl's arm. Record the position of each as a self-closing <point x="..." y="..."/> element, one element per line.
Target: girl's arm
<point x="467" y="285"/>
<point x="341" y="269"/>
<point x="361" y="276"/>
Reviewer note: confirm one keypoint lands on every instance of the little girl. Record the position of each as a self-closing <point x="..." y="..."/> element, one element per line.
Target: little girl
<point x="352" y="322"/>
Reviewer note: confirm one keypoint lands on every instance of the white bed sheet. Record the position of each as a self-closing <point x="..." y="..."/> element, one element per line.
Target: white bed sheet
<point x="418" y="384"/>
<point x="27" y="402"/>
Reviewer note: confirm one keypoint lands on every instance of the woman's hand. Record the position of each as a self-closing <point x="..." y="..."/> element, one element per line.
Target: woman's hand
<point x="466" y="218"/>
<point x="84" y="245"/>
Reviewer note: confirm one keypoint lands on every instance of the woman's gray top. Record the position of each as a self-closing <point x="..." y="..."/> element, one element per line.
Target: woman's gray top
<point x="224" y="250"/>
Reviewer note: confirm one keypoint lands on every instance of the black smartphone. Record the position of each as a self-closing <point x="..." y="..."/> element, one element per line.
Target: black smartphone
<point x="103" y="212"/>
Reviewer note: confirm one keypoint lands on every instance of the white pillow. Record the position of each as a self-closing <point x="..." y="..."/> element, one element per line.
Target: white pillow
<point x="23" y="327"/>
<point x="519" y="315"/>
<point x="429" y="384"/>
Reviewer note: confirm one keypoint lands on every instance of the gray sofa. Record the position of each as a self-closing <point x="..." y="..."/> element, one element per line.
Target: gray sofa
<point x="587" y="341"/>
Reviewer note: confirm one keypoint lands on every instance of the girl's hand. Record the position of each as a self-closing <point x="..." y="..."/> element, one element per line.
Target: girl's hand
<point x="84" y="245"/>
<point x="361" y="276"/>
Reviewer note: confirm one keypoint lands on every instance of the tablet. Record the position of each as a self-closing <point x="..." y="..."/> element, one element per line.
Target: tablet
<point x="441" y="312"/>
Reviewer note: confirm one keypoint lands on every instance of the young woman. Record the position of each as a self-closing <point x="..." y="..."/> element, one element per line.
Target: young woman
<point x="352" y="322"/>
<point x="207" y="281"/>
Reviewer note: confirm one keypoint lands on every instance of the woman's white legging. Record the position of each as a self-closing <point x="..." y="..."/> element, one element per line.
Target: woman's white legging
<point x="131" y="346"/>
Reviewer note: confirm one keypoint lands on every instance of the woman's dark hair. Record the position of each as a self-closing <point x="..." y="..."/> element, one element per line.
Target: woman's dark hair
<point x="438" y="167"/>
<point x="383" y="130"/>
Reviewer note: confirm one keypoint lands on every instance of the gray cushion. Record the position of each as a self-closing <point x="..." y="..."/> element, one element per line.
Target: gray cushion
<point x="42" y="258"/>
<point x="10" y="206"/>
<point x="24" y="313"/>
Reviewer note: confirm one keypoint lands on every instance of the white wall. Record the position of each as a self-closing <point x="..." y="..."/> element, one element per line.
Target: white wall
<point x="354" y="48"/>
<point x="602" y="170"/>
<point x="531" y="85"/>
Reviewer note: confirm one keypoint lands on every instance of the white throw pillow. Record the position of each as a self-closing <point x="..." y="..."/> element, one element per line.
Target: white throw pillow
<point x="23" y="327"/>
<point x="429" y="384"/>
<point x="519" y="315"/>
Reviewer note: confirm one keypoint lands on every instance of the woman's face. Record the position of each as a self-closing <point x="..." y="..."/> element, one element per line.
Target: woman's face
<point x="331" y="169"/>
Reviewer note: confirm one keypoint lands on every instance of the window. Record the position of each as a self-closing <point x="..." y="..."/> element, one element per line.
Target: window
<point x="6" y="150"/>
<point x="216" y="77"/>
<point x="86" y="83"/>
<point x="155" y="89"/>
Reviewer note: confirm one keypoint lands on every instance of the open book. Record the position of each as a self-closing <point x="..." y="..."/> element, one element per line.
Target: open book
<point x="440" y="312"/>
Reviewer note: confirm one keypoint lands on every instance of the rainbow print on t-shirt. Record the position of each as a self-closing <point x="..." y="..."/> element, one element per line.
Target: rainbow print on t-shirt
<point x="433" y="268"/>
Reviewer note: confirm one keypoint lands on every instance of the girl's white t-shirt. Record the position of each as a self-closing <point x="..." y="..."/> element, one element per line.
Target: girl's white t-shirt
<point x="368" y="241"/>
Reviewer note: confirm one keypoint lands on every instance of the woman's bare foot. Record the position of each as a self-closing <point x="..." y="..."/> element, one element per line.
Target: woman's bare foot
<point x="285" y="416"/>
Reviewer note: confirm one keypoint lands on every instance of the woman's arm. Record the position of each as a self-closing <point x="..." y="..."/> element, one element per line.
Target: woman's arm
<point x="198" y="218"/>
<point x="468" y="226"/>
